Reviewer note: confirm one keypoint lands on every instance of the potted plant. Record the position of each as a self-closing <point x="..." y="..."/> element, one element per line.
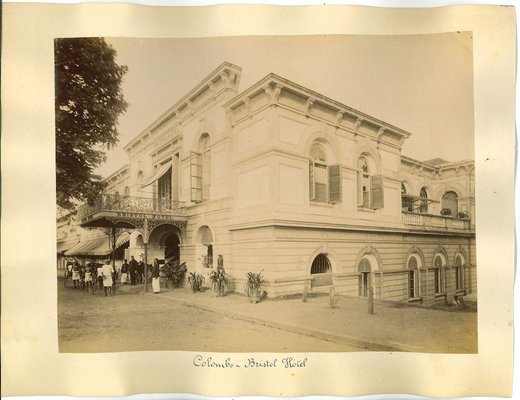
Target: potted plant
<point x="446" y="212"/>
<point x="207" y="261"/>
<point x="253" y="286"/>
<point x="463" y="215"/>
<point x="174" y="272"/>
<point x="195" y="280"/>
<point x="219" y="281"/>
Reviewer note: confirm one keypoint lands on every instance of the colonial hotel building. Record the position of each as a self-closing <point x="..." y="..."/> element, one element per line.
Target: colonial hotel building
<point x="281" y="179"/>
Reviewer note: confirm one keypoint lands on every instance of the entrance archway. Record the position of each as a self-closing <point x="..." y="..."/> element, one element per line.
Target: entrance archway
<point x="172" y="251"/>
<point x="164" y="243"/>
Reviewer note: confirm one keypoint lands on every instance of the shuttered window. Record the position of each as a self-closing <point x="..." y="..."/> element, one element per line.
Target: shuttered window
<point x="320" y="183"/>
<point x="324" y="180"/>
<point x="334" y="184"/>
<point x="370" y="188"/>
<point x="196" y="177"/>
<point x="377" y="192"/>
<point x="312" y="191"/>
<point x="206" y="174"/>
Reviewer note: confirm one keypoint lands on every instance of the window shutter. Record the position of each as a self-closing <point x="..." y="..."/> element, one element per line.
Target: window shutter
<point x="206" y="174"/>
<point x="334" y="183"/>
<point x="196" y="177"/>
<point x="376" y="187"/>
<point x="312" y="190"/>
<point x="360" y="188"/>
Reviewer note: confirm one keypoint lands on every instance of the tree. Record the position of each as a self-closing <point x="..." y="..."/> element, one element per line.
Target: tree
<point x="88" y="102"/>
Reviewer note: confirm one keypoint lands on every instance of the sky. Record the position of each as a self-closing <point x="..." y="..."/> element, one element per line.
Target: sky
<point x="420" y="83"/>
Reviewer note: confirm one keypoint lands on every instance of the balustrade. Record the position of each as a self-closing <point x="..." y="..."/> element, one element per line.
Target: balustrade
<point x="108" y="202"/>
<point x="434" y="221"/>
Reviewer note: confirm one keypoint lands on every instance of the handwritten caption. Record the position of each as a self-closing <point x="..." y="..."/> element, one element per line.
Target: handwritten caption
<point x="250" y="362"/>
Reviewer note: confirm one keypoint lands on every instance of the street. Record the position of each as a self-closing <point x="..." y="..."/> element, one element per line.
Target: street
<point x="130" y="322"/>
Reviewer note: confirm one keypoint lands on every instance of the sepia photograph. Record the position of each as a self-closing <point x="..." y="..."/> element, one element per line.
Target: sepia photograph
<point x="266" y="194"/>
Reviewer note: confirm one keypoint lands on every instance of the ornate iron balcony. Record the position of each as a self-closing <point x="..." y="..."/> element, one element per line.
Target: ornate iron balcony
<point x="130" y="204"/>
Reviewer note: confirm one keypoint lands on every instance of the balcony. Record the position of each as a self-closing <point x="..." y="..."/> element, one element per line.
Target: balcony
<point x="430" y="222"/>
<point x="129" y="208"/>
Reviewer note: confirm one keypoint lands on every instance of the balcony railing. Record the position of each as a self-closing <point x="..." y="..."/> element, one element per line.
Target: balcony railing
<point x="109" y="202"/>
<point x="435" y="221"/>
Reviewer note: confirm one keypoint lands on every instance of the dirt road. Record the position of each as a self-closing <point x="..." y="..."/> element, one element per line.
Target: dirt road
<point x="130" y="322"/>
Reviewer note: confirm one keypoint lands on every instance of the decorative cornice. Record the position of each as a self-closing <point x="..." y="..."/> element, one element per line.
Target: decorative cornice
<point x="226" y="71"/>
<point x="273" y="80"/>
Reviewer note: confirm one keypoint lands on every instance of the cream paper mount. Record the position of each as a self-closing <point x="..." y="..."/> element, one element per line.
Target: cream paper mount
<point x="32" y="364"/>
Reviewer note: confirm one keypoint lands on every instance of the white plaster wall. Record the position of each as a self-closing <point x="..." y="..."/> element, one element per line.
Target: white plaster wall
<point x="291" y="130"/>
<point x="292" y="184"/>
<point x="252" y="187"/>
<point x="252" y="135"/>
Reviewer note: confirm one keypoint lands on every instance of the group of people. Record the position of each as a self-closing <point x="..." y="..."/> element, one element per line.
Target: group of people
<point x="133" y="270"/>
<point x="92" y="277"/>
<point x="104" y="277"/>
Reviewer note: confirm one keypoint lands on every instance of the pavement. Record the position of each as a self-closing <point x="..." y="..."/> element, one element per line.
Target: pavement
<point x="393" y="326"/>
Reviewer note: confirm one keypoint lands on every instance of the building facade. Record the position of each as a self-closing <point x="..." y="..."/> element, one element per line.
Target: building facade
<point x="281" y="179"/>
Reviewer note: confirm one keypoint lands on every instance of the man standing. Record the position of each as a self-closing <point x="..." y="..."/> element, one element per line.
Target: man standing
<point x="124" y="273"/>
<point x="140" y="271"/>
<point x="133" y="270"/>
<point x="107" y="277"/>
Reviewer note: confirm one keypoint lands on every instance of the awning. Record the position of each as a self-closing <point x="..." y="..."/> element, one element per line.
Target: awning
<point x="99" y="246"/>
<point x="160" y="172"/>
<point x="65" y="245"/>
<point x="122" y="239"/>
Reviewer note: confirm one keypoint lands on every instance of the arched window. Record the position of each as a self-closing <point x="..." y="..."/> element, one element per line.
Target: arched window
<point x="364" y="269"/>
<point x="140" y="177"/>
<point x="127" y="191"/>
<point x="459" y="272"/>
<point x="413" y="281"/>
<point x="423" y="208"/>
<point x="324" y="179"/>
<point x="369" y="185"/>
<point x="200" y="170"/>
<point x="450" y="204"/>
<point x="406" y="200"/>
<point x="318" y="174"/>
<point x="205" y="237"/>
<point x="321" y="264"/>
<point x="439" y="277"/>
<point x="322" y="270"/>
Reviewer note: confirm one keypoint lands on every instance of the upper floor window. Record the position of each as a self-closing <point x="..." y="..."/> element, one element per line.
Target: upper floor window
<point x="127" y="191"/>
<point x="406" y="199"/>
<point x="450" y="204"/>
<point x="369" y="186"/>
<point x="324" y="179"/>
<point x="423" y="194"/>
<point x="200" y="169"/>
<point x="140" y="177"/>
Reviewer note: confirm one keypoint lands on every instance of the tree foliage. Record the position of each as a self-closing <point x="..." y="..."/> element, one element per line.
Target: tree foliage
<point x="88" y="102"/>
